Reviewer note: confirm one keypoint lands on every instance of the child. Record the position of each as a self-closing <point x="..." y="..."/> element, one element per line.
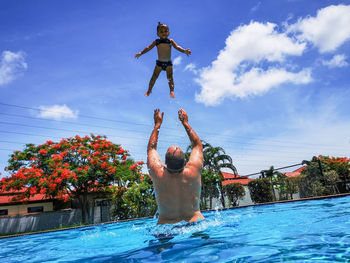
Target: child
<point x="164" y="57"/>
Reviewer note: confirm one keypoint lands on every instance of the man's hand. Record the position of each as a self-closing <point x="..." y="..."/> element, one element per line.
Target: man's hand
<point x="188" y="52"/>
<point x="183" y="116"/>
<point x="158" y="118"/>
<point x="137" y="55"/>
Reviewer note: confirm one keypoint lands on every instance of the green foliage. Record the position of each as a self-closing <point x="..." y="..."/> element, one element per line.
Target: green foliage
<point x="214" y="159"/>
<point x="280" y="183"/>
<point x="260" y="190"/>
<point x="135" y="201"/>
<point x="331" y="178"/>
<point x="339" y="164"/>
<point x="313" y="180"/>
<point x="210" y="188"/>
<point x="292" y="186"/>
<point x="234" y="192"/>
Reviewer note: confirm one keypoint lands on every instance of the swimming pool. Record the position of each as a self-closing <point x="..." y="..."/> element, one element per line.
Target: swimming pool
<point x="305" y="231"/>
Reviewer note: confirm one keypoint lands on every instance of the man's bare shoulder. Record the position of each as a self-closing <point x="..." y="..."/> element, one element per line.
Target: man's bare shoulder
<point x="157" y="171"/>
<point x="192" y="171"/>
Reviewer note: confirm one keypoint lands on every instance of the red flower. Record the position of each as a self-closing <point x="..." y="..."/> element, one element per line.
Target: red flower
<point x="63" y="154"/>
<point x="58" y="180"/>
<point x="104" y="165"/>
<point x="42" y="152"/>
<point x="111" y="171"/>
<point x="33" y="190"/>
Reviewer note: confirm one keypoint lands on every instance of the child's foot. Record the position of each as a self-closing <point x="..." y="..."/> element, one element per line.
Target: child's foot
<point x="147" y="93"/>
<point x="172" y="95"/>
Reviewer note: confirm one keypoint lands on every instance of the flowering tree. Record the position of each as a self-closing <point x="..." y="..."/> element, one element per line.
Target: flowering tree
<point x="69" y="169"/>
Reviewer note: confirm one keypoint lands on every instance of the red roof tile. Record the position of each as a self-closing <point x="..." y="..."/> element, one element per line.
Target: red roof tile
<point x="7" y="199"/>
<point x="229" y="175"/>
<point x="231" y="178"/>
<point x="243" y="181"/>
<point x="295" y="173"/>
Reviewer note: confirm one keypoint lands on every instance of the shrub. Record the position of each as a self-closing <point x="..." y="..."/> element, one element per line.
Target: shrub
<point x="135" y="201"/>
<point x="260" y="190"/>
<point x="234" y="192"/>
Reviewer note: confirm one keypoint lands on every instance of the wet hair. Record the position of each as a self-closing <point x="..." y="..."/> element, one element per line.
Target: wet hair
<point x="175" y="160"/>
<point x="160" y="25"/>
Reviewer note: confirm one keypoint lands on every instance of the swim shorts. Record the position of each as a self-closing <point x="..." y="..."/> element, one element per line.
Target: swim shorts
<point x="164" y="64"/>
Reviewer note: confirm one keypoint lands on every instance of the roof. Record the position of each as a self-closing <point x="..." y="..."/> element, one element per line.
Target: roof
<point x="295" y="173"/>
<point x="231" y="179"/>
<point x="8" y="199"/>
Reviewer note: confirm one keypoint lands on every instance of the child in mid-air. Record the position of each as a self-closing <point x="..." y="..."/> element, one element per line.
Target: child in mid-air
<point x="164" y="57"/>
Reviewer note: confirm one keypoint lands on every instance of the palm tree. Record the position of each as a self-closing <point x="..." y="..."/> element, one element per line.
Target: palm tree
<point x="214" y="159"/>
<point x="271" y="173"/>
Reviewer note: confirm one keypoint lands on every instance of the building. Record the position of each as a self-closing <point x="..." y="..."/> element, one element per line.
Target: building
<point x="230" y="178"/>
<point x="38" y="203"/>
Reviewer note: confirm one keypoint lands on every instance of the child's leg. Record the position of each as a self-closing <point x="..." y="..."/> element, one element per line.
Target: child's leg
<point x="155" y="75"/>
<point x="169" y="75"/>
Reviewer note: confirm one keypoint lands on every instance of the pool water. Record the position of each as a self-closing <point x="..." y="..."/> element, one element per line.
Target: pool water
<point x="305" y="231"/>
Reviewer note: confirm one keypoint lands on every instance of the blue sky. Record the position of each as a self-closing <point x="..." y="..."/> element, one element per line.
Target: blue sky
<point x="267" y="80"/>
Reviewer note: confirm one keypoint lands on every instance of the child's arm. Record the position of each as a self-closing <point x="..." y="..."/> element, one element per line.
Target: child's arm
<point x="137" y="55"/>
<point x="186" y="51"/>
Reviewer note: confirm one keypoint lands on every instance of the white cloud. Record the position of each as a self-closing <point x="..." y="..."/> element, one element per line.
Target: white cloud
<point x="328" y="30"/>
<point x="337" y="61"/>
<point x="177" y="61"/>
<point x="11" y="64"/>
<point x="57" y="112"/>
<point x="256" y="7"/>
<point x="191" y="67"/>
<point x="229" y="74"/>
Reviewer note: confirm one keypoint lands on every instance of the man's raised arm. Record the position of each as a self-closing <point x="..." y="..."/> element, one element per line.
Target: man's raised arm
<point x="196" y="158"/>
<point x="153" y="160"/>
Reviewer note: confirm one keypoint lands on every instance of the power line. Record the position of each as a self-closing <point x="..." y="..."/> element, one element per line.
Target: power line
<point x="76" y="123"/>
<point x="159" y="146"/>
<point x="275" y="169"/>
<point x="81" y="115"/>
<point x="143" y="138"/>
<point x="148" y="125"/>
<point x="75" y="131"/>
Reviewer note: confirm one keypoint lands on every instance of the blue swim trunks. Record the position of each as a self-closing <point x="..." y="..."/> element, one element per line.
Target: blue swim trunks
<point x="164" y="64"/>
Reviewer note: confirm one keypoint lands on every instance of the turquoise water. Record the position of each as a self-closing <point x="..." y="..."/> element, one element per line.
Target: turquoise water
<point x="306" y="231"/>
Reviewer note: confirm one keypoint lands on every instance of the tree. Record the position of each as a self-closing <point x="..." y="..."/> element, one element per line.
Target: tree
<point x="69" y="169"/>
<point x="260" y="190"/>
<point x="234" y="192"/>
<point x="331" y="179"/>
<point x="341" y="165"/>
<point x="292" y="185"/>
<point x="210" y="188"/>
<point x="137" y="200"/>
<point x="214" y="159"/>
<point x="271" y="174"/>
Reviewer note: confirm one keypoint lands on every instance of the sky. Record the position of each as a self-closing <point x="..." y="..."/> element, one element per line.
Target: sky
<point x="268" y="81"/>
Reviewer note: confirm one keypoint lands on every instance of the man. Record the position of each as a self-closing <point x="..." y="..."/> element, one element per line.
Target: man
<point x="178" y="185"/>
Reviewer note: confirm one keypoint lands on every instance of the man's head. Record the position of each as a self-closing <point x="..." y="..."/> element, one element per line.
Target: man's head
<point x="175" y="159"/>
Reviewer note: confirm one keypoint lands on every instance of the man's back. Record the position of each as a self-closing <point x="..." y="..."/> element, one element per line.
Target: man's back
<point x="178" y="195"/>
<point x="177" y="186"/>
